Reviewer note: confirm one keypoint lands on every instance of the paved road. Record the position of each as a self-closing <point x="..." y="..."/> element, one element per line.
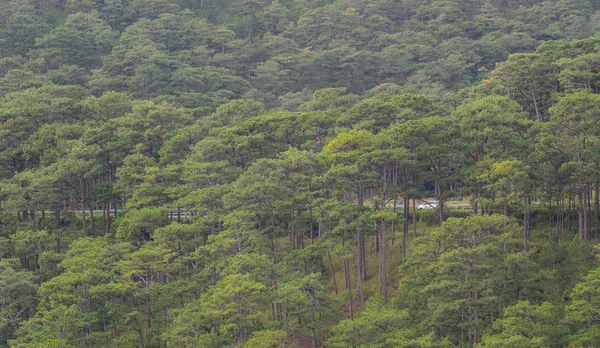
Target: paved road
<point x="454" y="205"/>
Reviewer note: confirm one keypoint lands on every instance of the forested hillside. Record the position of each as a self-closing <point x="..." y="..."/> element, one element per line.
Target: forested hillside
<point x="251" y="173"/>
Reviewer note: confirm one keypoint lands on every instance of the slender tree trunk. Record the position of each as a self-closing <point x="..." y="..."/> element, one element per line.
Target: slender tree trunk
<point x="332" y="272"/>
<point x="359" y="269"/>
<point x="93" y="221"/>
<point x="476" y="338"/>
<point x="107" y="221"/>
<point x="383" y="262"/>
<point x="580" y="214"/>
<point x="559" y="219"/>
<point x="394" y="207"/>
<point x="414" y="217"/>
<point x="406" y="206"/>
<point x="83" y="218"/>
<point x="590" y="193"/>
<point x="360" y="249"/>
<point x="364" y="257"/>
<point x="441" y="204"/>
<point x="505" y="219"/>
<point x="537" y="112"/>
<point x="550" y="218"/>
<point x="272" y="233"/>
<point x="596" y="209"/>
<point x="34" y="217"/>
<point x="569" y="214"/>
<point x="75" y="224"/>
<point x="104" y="219"/>
<point x="57" y="228"/>
<point x="525" y="227"/>
<point x="348" y="287"/>
<point x="311" y="226"/>
<point x="585" y="214"/>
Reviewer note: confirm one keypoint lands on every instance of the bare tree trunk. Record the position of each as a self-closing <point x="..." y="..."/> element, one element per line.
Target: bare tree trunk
<point x="35" y="219"/>
<point x="75" y="223"/>
<point x="550" y="218"/>
<point x="348" y="287"/>
<point x="383" y="262"/>
<point x="332" y="272"/>
<point x="580" y="214"/>
<point x="360" y="252"/>
<point x="414" y="218"/>
<point x="537" y="113"/>
<point x="393" y="224"/>
<point x="311" y="226"/>
<point x="107" y="221"/>
<point x="525" y="227"/>
<point x="596" y="209"/>
<point x="359" y="268"/>
<point x="441" y="204"/>
<point x="93" y="221"/>
<point x="585" y="214"/>
<point x="406" y="206"/>
<point x="83" y="218"/>
<point x="559" y="219"/>
<point x="57" y="228"/>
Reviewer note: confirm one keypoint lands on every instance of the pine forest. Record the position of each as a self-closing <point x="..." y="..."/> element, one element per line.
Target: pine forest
<point x="300" y="173"/>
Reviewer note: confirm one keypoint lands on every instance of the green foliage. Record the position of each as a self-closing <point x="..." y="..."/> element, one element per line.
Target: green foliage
<point x="232" y="173"/>
<point x="527" y="325"/>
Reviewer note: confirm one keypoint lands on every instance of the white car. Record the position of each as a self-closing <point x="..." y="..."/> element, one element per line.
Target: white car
<point x="428" y="205"/>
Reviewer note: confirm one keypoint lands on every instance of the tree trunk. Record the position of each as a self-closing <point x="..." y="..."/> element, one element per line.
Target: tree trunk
<point x="348" y="287"/>
<point x="383" y="262"/>
<point x="414" y="218"/>
<point x="359" y="268"/>
<point x="332" y="272"/>
<point x="441" y="204"/>
<point x="394" y="207"/>
<point x="596" y="209"/>
<point x="585" y="214"/>
<point x="57" y="228"/>
<point x="550" y="218"/>
<point x="525" y="227"/>
<point x="93" y="221"/>
<point x="580" y="214"/>
<point x="35" y="219"/>
<point x="406" y="206"/>
<point x="559" y="219"/>
<point x="107" y="220"/>
<point x="83" y="218"/>
<point x="360" y="249"/>
<point x="537" y="112"/>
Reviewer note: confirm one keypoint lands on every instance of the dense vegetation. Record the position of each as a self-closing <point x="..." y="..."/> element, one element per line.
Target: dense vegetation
<point x="246" y="173"/>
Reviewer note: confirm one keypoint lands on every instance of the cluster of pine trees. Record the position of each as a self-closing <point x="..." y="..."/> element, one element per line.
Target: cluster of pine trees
<point x="178" y="173"/>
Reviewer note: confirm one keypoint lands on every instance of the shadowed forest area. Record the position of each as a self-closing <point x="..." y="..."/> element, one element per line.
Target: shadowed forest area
<point x="299" y="173"/>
